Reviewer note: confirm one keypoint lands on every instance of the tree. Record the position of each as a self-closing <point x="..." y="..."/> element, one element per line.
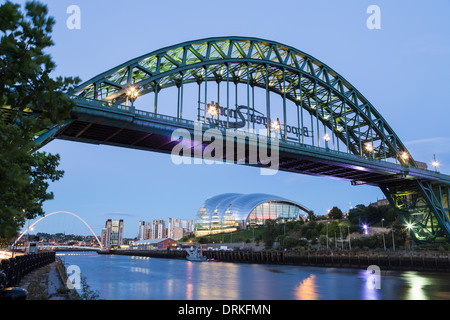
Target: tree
<point x="30" y="101"/>
<point x="335" y="213"/>
<point x="269" y="233"/>
<point x="311" y="216"/>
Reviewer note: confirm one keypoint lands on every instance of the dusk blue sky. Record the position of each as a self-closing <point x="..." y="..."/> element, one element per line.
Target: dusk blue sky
<point x="402" y="69"/>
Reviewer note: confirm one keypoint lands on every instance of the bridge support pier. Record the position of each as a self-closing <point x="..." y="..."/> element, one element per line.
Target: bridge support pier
<point x="423" y="207"/>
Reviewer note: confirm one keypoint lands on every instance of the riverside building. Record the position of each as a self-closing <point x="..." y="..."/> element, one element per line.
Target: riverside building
<point x="234" y="211"/>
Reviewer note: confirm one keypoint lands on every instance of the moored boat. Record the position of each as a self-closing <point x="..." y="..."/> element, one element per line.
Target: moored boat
<point x="195" y="255"/>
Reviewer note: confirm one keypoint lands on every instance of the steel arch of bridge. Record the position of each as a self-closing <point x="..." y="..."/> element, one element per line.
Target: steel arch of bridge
<point x="286" y="71"/>
<point x="51" y="214"/>
<point x="422" y="201"/>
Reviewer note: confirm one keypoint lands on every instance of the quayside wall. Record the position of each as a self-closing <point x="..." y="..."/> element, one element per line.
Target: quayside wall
<point x="400" y="260"/>
<point x="165" y="254"/>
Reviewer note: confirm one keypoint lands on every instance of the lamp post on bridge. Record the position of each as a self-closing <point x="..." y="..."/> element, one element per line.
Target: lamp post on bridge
<point x="404" y="156"/>
<point x="132" y="95"/>
<point x="213" y="110"/>
<point x="369" y="148"/>
<point x="327" y="138"/>
<point x="275" y="126"/>
<point x="435" y="164"/>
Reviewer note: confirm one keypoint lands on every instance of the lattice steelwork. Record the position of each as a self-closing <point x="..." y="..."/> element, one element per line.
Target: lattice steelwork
<point x="423" y="207"/>
<point x="294" y="75"/>
<point x="316" y="94"/>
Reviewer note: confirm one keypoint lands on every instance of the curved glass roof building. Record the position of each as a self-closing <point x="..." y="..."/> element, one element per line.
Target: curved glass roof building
<point x="234" y="211"/>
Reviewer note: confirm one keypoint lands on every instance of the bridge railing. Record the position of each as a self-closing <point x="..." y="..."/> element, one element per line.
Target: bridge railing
<point x="104" y="104"/>
<point x="16" y="268"/>
<point x="150" y="115"/>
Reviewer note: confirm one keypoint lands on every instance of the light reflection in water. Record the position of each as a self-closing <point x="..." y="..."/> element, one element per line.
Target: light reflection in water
<point x="416" y="284"/>
<point x="369" y="290"/>
<point x="370" y="293"/>
<point x="218" y="281"/>
<point x="140" y="270"/>
<point x="189" y="285"/>
<point x="189" y="291"/>
<point x="307" y="289"/>
<point x="123" y="277"/>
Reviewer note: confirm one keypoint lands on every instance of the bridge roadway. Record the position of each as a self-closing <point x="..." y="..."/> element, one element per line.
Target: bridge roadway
<point x="68" y="248"/>
<point x="99" y="122"/>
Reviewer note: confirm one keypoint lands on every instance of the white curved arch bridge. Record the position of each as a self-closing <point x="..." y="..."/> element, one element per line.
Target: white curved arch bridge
<point x="60" y="212"/>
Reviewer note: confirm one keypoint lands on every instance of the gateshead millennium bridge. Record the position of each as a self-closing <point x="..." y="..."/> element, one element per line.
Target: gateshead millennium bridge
<point x="323" y="124"/>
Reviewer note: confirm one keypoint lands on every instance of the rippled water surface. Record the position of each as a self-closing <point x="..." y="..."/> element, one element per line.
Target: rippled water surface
<point x="118" y="277"/>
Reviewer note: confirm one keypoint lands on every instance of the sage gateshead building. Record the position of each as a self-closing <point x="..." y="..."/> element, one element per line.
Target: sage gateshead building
<point x="234" y="211"/>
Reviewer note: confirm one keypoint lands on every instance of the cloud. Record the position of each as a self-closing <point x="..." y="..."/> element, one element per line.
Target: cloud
<point x="424" y="150"/>
<point x="436" y="140"/>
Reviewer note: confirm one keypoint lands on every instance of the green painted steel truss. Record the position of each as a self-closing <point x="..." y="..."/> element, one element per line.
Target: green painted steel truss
<point x="294" y="75"/>
<point x="423" y="207"/>
<point x="311" y="85"/>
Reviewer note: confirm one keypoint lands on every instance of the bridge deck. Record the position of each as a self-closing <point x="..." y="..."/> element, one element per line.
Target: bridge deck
<point x="99" y="123"/>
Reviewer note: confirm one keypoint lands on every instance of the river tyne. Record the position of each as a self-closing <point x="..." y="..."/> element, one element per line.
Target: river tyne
<point x="117" y="277"/>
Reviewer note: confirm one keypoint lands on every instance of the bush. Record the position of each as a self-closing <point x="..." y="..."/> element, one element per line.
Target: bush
<point x="289" y="242"/>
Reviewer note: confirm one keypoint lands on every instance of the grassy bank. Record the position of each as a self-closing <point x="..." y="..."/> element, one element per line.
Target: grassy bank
<point x="298" y="235"/>
<point x="253" y="235"/>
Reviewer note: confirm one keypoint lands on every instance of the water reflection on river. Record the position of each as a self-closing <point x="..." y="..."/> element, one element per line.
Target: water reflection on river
<point x="140" y="278"/>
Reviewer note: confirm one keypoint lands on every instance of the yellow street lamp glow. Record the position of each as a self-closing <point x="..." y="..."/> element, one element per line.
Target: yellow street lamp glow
<point x="409" y="226"/>
<point x="212" y="110"/>
<point x="435" y="164"/>
<point x="132" y="93"/>
<point x="369" y="147"/>
<point x="275" y="125"/>
<point x="405" y="155"/>
<point x="326" y="137"/>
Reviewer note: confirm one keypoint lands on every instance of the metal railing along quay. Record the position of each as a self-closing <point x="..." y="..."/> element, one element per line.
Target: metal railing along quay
<point x="14" y="269"/>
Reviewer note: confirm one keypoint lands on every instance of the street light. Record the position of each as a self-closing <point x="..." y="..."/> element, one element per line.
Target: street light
<point x="404" y="155"/>
<point x="365" y="228"/>
<point x="275" y="125"/>
<point x="327" y="138"/>
<point x="132" y="95"/>
<point x="213" y="110"/>
<point x="393" y="239"/>
<point x="327" y="233"/>
<point x="435" y="164"/>
<point x="409" y="226"/>
<point x="369" y="149"/>
<point x="384" y="241"/>
<point x="349" y="243"/>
